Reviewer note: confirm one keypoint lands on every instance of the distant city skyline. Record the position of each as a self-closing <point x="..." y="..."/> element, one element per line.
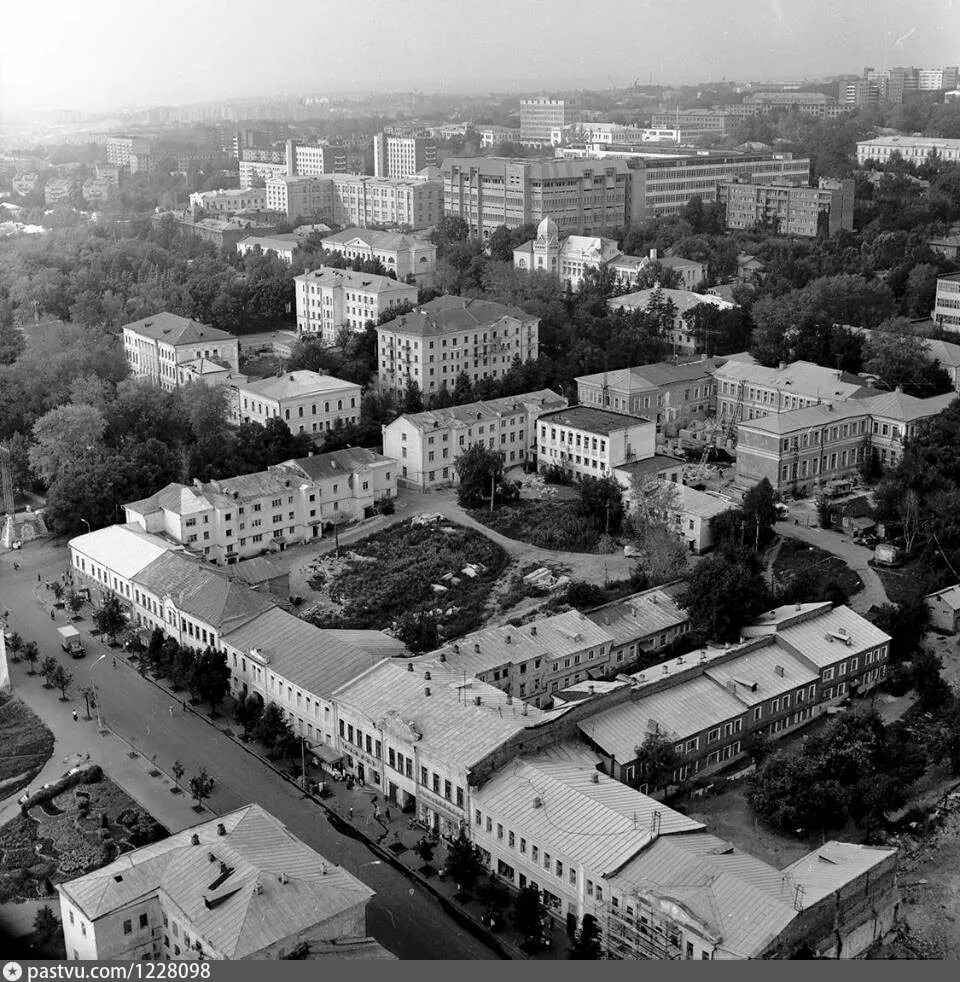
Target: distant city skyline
<point x="103" y="56"/>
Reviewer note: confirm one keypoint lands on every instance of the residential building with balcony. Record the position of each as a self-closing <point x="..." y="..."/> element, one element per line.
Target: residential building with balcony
<point x="588" y="442"/>
<point x="238" y="887"/>
<point x="307" y="402"/>
<point x="946" y="309"/>
<point x="403" y="255"/>
<point x="435" y="342"/>
<point x="329" y="300"/>
<point x="426" y="445"/>
<point x="156" y="346"/>
<point x="120" y="149"/>
<point x="789" y="210"/>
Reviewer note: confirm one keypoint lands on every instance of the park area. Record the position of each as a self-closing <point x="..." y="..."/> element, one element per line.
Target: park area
<point x="429" y="567"/>
<point x="25" y="745"/>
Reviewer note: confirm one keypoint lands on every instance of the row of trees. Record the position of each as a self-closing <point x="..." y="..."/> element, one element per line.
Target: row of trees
<point x="204" y="674"/>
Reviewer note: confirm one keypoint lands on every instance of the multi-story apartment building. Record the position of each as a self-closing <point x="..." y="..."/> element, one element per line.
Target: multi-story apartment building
<point x="570" y="259"/>
<point x="946" y="309"/>
<point x="119" y="149"/>
<point x="810" y="103"/>
<point x="182" y="898"/>
<point x="403" y="255"/>
<point x="437" y="341"/>
<point x="96" y="190"/>
<point x="307" y="401"/>
<point x="935" y="79"/>
<point x="693" y="122"/>
<point x="539" y="117"/>
<point x="252" y="172"/>
<point x="426" y="445"/>
<point x="682" y="336"/>
<point x="235" y="518"/>
<point x="588" y="442"/>
<point x="534" y="661"/>
<point x="668" y="392"/>
<point x="913" y="149"/>
<point x="419" y="735"/>
<point x="156" y="345"/>
<point x="228" y="201"/>
<point x="805" y="448"/>
<point x="402" y="156"/>
<point x="642" y="623"/>
<point x="357" y="200"/>
<point x="746" y="391"/>
<point x="329" y="300"/>
<point x="788" y="210"/>
<point x="796" y="662"/>
<point x="58" y="190"/>
<point x="309" y="160"/>
<point x="580" y="196"/>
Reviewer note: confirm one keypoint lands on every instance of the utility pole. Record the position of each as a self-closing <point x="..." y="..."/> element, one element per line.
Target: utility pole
<point x="493" y="488"/>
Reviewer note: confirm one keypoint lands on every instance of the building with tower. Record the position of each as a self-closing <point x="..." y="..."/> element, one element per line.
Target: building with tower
<point x="568" y="259"/>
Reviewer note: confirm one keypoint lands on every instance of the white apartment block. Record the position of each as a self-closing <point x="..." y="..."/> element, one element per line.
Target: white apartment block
<point x="402" y="156"/>
<point x="538" y="117"/>
<point x="307" y="402"/>
<point x="155" y="346"/>
<point x="329" y="300"/>
<point x="299" y="196"/>
<point x="240" y="517"/>
<point x="121" y="148"/>
<point x="589" y="442"/>
<point x="404" y="255"/>
<point x="946" y="310"/>
<point x="913" y="149"/>
<point x="426" y="445"/>
<point x="228" y="201"/>
<point x="437" y="341"/>
<point x="254" y="171"/>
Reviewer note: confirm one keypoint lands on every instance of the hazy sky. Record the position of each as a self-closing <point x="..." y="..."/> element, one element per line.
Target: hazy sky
<point x="104" y="54"/>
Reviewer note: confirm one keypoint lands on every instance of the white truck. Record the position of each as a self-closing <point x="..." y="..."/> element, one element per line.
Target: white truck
<point x="70" y="641"/>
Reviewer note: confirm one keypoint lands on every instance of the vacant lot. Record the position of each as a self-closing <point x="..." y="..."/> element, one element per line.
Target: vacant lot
<point x="795" y="556"/>
<point x="25" y="746"/>
<point x="549" y="524"/>
<point x="442" y="568"/>
<point x="83" y="828"/>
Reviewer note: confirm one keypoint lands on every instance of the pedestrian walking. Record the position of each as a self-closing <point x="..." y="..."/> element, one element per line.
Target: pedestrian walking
<point x="53" y="616"/>
<point x="351" y="813"/>
<point x="386" y="812"/>
<point x="38" y="577"/>
<point x="75" y="716"/>
<point x="114" y="662"/>
<point x="170" y="708"/>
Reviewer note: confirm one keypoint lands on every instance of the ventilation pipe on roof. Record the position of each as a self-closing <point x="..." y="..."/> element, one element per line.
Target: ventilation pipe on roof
<point x="456" y="649"/>
<point x="283" y="878"/>
<point x="595" y="777"/>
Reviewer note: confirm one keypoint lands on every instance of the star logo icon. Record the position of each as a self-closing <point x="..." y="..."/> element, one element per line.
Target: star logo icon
<point x="12" y="971"/>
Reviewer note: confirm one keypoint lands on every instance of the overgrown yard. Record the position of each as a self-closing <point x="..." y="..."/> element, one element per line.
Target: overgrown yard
<point x="79" y="830"/>
<point x="796" y="557"/>
<point x="550" y="524"/>
<point x="25" y="745"/>
<point x="439" y="568"/>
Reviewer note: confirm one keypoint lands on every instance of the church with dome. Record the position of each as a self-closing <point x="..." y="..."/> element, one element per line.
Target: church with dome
<point x="568" y="259"/>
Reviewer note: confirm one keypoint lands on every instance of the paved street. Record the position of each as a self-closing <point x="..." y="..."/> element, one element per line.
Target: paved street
<point x="405" y="918"/>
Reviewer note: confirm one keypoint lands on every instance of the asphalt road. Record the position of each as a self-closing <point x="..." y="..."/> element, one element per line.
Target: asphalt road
<point x="403" y="917"/>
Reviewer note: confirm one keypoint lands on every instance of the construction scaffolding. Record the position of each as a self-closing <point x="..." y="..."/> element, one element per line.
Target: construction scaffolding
<point x="636" y="929"/>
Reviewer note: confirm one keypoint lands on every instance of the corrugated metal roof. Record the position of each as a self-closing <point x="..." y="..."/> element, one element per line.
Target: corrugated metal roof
<point x="819" y="639"/>
<point x="759" y="668"/>
<point x="832" y="866"/>
<point x="282" y="886"/>
<point x="298" y="385"/>
<point x="950" y="596"/>
<point x="639" y="615"/>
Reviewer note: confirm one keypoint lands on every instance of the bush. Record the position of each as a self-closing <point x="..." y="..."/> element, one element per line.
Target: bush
<point x="87" y="774"/>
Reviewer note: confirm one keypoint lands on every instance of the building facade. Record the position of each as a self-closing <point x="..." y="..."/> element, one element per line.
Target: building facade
<point x="539" y="117"/>
<point x="570" y="259"/>
<point x="946" y="309"/>
<point x="404" y="255"/>
<point x="825" y="209"/>
<point x="228" y="201"/>
<point x="307" y="402"/>
<point x="402" y="156"/>
<point x="588" y="442"/>
<point x="682" y="336"/>
<point x="913" y="149"/>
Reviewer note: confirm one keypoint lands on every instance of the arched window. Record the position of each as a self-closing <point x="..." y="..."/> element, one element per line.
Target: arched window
<point x="339" y="404"/>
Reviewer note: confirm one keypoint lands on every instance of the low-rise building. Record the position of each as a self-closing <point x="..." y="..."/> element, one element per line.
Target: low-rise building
<point x="570" y="259"/>
<point x="238" y="887"/>
<point x="588" y="442"/>
<point x="58" y="190"/>
<point x="661" y="391"/>
<point x="230" y="519"/>
<point x="96" y="190"/>
<point x="282" y="245"/>
<point x="223" y="233"/>
<point x="947" y="246"/>
<point x="228" y="201"/>
<point x="156" y="346"/>
<point x="329" y="300"/>
<point x="402" y="255"/>
<point x="789" y="210"/>
<point x="682" y="337"/>
<point x="690" y="513"/>
<point x="426" y="445"/>
<point x="307" y="401"/>
<point x="946" y="310"/>
<point x="911" y="149"/>
<point x="535" y="660"/>
<point x="432" y="344"/>
<point x="944" y="608"/>
<point x="642" y="623"/>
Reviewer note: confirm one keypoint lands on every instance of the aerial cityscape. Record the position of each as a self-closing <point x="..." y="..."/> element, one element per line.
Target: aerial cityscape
<point x="480" y="484"/>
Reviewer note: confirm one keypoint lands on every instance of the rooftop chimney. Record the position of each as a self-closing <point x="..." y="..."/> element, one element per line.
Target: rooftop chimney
<point x="507" y="639"/>
<point x="653" y="255"/>
<point x="409" y="666"/>
<point x="779" y="670"/>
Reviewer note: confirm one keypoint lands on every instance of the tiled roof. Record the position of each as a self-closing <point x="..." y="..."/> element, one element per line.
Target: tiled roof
<point x="296" y="385"/>
<point x="122" y="549"/>
<point x="278" y="886"/>
<point x="173" y="329"/>
<point x="449" y="314"/>
<point x="639" y="615"/>
<point x="471" y="412"/>
<point x="316" y="660"/>
<point x="592" y="420"/>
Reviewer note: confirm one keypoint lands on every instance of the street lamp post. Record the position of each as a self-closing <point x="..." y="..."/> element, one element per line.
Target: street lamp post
<point x="85" y="522"/>
<point x="96" y="693"/>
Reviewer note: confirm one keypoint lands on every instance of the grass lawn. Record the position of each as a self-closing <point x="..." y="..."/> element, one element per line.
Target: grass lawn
<point x="25" y="746"/>
<point x="795" y="555"/>
<point x="397" y="570"/>
<point x="66" y="839"/>
<point x="549" y="524"/>
<point x="262" y="366"/>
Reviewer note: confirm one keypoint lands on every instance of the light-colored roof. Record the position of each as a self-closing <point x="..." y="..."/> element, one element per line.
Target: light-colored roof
<point x="324" y="465"/>
<point x="809" y="416"/>
<point x="282" y="242"/>
<point x="683" y="300"/>
<point x="173" y="329"/>
<point x="351" y="280"/>
<point x="254" y="571"/>
<point x="472" y="412"/>
<point x="375" y="239"/>
<point x="754" y="677"/>
<point x="587" y="817"/>
<point x="201" y="592"/>
<point x="931" y="142"/>
<point x="644" y="377"/>
<point x="593" y="420"/>
<point x="801" y="378"/>
<point x="700" y="504"/>
<point x="949" y="595"/>
<point x="178" y="498"/>
<point x="639" y="615"/>
<point x="122" y="549"/>
<point x="548" y="637"/>
<point x="277" y="885"/>
<point x="448" y="314"/>
<point x="832" y="636"/>
<point x="316" y="660"/>
<point x="648" y="467"/>
<point x="296" y="385"/>
<point x="903" y="408"/>
<point x="832" y="867"/>
<point x="450" y="725"/>
<point x="682" y="710"/>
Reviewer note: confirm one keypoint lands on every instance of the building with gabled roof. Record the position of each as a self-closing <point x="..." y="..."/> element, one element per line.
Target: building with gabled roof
<point x="308" y="402"/>
<point x="400" y="253"/>
<point x="642" y="622"/>
<point x="155" y="346"/>
<point x="426" y="445"/>
<point x="568" y="260"/>
<point x="238" y="887"/>
<point x="944" y="608"/>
